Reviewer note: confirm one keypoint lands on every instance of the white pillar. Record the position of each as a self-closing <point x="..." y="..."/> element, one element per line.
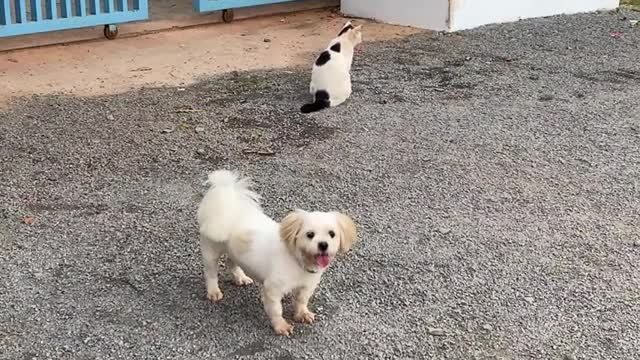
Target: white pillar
<point x="454" y="15"/>
<point x="466" y="14"/>
<point x="425" y="14"/>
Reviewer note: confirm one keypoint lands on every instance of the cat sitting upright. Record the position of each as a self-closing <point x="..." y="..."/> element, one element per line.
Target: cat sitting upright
<point x="330" y="78"/>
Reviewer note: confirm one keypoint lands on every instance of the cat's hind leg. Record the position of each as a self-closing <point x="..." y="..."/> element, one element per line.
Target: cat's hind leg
<point x="337" y="100"/>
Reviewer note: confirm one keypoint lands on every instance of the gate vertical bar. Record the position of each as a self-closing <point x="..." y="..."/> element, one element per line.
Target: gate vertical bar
<point x="21" y="11"/>
<point x="5" y="13"/>
<point x="81" y="8"/>
<point x="52" y="9"/>
<point x="65" y="9"/>
<point x="142" y="5"/>
<point x="94" y="7"/>
<point x="36" y="10"/>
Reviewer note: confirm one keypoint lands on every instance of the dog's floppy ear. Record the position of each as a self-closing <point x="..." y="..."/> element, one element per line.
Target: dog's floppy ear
<point x="290" y="226"/>
<point x="348" y="232"/>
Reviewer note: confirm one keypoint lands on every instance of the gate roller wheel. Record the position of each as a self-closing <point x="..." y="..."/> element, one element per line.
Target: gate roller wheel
<point x="110" y="32"/>
<point x="227" y="15"/>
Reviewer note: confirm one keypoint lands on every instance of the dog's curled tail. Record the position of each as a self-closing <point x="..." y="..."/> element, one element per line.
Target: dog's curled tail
<point x="232" y="186"/>
<point x="222" y="178"/>
<point x="227" y="201"/>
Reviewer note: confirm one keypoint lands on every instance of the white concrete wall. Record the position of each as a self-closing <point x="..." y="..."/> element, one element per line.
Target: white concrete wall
<point x="453" y="15"/>
<point x="466" y="14"/>
<point x="426" y="14"/>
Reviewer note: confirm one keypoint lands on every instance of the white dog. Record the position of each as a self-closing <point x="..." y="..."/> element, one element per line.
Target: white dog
<point x="289" y="257"/>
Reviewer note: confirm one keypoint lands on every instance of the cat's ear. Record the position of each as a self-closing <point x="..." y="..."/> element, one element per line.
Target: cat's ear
<point x="346" y="27"/>
<point x="356" y="35"/>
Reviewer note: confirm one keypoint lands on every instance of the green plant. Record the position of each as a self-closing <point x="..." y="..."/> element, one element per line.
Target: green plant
<point x="631" y="4"/>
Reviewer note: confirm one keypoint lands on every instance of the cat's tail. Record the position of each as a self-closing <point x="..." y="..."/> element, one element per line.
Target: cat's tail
<point x="321" y="102"/>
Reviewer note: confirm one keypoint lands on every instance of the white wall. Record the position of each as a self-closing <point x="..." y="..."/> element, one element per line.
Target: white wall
<point x="426" y="14"/>
<point x="466" y="14"/>
<point x="453" y="15"/>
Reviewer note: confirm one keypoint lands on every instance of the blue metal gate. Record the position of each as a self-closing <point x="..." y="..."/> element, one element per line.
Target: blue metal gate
<point x="214" y="5"/>
<point x="19" y="17"/>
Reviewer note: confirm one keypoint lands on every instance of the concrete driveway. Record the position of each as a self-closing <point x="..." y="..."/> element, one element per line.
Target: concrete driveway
<point x="493" y="174"/>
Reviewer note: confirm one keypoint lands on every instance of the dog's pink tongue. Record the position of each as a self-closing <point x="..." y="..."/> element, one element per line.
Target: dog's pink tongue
<point x="323" y="260"/>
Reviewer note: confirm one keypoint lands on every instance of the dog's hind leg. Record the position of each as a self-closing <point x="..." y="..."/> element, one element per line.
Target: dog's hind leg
<point x="239" y="277"/>
<point x="211" y="252"/>
<point x="239" y="244"/>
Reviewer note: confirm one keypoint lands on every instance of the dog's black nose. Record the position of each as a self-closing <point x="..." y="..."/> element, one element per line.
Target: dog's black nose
<point x="323" y="246"/>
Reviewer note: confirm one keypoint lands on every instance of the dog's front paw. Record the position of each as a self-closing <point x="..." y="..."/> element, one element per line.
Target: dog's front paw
<point x="283" y="328"/>
<point x="214" y="295"/>
<point x="305" y="317"/>
<point x="242" y="280"/>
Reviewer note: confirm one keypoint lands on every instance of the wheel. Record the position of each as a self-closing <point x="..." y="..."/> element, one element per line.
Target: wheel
<point x="227" y="15"/>
<point x="110" y="32"/>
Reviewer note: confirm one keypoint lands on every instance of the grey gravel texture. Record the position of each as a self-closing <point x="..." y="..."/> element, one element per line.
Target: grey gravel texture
<point x="493" y="174"/>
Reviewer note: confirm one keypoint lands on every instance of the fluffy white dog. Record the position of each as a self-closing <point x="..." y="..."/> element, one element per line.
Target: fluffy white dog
<point x="289" y="257"/>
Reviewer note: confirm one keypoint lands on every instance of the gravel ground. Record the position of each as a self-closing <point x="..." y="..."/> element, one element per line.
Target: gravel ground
<point x="493" y="174"/>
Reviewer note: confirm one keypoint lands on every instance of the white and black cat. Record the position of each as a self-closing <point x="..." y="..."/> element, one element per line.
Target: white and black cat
<point x="331" y="78"/>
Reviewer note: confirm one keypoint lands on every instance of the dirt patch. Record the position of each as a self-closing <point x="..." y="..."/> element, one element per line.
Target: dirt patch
<point x="176" y="58"/>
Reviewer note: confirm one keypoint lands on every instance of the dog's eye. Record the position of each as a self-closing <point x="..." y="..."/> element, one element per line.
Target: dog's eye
<point x="332" y="234"/>
<point x="311" y="234"/>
